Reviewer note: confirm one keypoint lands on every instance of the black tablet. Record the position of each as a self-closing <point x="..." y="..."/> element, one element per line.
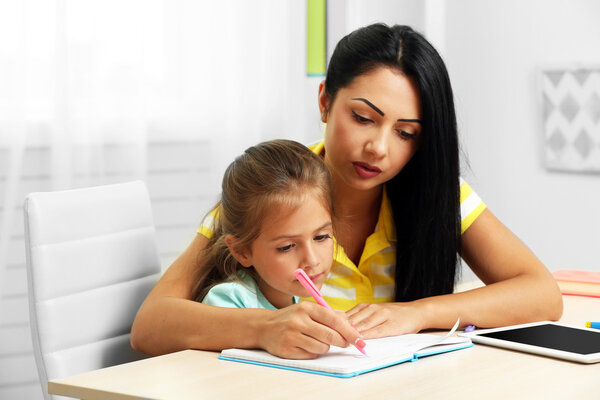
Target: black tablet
<point x="545" y="338"/>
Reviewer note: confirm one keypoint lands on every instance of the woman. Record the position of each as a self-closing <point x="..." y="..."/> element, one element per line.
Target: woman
<point x="391" y="145"/>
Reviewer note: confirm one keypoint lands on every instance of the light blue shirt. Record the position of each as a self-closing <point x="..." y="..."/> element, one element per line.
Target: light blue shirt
<point x="236" y="294"/>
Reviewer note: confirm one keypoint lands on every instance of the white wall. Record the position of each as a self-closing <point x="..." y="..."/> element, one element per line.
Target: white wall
<point x="492" y="50"/>
<point x="344" y="16"/>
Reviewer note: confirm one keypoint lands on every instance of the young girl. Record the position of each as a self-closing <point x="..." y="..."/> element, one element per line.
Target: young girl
<point x="403" y="220"/>
<point x="274" y="217"/>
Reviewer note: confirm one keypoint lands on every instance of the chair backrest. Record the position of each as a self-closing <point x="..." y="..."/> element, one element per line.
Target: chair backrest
<point x="91" y="261"/>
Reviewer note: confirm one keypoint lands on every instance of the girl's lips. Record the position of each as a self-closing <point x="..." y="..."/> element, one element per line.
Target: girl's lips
<point x="315" y="277"/>
<point x="365" y="170"/>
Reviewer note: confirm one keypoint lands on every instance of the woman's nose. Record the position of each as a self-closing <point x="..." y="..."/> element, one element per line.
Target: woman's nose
<point x="376" y="144"/>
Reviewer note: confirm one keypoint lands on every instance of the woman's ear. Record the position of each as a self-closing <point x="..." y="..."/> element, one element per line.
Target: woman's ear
<point x="241" y="254"/>
<point x="323" y="102"/>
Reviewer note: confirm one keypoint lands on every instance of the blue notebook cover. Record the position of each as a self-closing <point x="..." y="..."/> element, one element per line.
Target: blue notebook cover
<point x="349" y="362"/>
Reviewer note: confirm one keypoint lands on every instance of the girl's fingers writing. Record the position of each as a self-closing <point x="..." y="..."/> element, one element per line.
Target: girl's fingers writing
<point x="305" y="330"/>
<point x="333" y="327"/>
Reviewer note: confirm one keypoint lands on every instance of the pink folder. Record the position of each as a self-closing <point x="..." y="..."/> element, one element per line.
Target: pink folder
<point x="578" y="283"/>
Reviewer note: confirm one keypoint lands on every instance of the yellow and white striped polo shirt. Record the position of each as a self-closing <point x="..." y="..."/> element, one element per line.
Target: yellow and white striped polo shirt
<point x="372" y="281"/>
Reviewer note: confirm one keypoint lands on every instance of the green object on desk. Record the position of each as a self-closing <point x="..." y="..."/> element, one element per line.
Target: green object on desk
<point x="316" y="37"/>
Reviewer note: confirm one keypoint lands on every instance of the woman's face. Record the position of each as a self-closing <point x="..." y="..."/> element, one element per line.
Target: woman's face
<point x="373" y="128"/>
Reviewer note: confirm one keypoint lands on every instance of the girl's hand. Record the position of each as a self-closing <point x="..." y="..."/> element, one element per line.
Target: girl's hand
<point x="305" y="330"/>
<point x="375" y="320"/>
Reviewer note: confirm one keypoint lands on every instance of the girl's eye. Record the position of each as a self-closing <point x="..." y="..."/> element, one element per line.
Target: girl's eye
<point x="320" y="238"/>
<point x="406" y="135"/>
<point x="285" y="248"/>
<point x="359" y="117"/>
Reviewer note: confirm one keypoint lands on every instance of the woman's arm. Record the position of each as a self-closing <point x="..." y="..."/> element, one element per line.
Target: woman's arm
<point x="169" y="321"/>
<point x="518" y="289"/>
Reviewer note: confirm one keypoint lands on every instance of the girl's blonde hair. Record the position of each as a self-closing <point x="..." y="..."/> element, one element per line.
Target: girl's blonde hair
<point x="268" y="176"/>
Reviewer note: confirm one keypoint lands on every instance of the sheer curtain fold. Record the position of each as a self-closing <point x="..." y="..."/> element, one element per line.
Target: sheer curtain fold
<point x="89" y="85"/>
<point x="13" y="128"/>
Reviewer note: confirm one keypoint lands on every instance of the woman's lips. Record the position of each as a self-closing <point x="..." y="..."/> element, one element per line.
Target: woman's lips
<point x="365" y="170"/>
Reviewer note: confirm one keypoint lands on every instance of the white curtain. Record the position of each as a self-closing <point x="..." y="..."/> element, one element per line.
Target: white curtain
<point x="85" y="85"/>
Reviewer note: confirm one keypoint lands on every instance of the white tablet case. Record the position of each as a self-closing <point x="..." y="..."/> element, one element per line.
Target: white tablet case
<point x="582" y="358"/>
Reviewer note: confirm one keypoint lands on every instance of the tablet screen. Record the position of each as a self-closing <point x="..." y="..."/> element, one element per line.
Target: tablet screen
<point x="553" y="337"/>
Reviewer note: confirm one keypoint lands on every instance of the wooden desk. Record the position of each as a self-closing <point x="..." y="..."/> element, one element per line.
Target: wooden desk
<point x="477" y="372"/>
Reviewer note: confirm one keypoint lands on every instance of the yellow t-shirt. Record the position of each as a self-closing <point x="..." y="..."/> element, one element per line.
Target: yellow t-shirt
<point x="372" y="281"/>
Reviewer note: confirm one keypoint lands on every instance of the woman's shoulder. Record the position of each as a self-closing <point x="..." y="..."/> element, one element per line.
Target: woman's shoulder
<point x="471" y="205"/>
<point x="207" y="226"/>
<point x="317" y="147"/>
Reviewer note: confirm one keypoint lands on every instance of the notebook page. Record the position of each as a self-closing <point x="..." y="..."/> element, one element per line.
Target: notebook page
<point x="338" y="360"/>
<point x="381" y="352"/>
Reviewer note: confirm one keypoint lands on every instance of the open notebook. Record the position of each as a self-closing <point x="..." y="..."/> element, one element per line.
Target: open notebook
<point x="348" y="362"/>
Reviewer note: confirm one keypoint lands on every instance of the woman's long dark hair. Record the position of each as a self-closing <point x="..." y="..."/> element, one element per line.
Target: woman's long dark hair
<point x="425" y="195"/>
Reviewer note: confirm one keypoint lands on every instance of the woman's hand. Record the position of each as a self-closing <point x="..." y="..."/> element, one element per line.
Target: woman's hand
<point x="375" y="320"/>
<point x="305" y="330"/>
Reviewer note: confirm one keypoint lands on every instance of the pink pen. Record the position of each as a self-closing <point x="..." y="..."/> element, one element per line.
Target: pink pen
<point x="314" y="292"/>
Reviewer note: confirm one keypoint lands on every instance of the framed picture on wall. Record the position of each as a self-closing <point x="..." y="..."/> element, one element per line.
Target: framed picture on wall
<point x="571" y="117"/>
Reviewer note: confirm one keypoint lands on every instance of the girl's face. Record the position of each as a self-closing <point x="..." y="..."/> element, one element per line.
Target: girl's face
<point x="300" y="238"/>
<point x="373" y="128"/>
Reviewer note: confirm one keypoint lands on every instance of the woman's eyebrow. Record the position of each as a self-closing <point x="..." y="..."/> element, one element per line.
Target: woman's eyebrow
<point x="374" y="107"/>
<point x="410" y="120"/>
<point x="367" y="102"/>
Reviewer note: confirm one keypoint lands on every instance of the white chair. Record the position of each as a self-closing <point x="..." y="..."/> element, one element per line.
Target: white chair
<point x="91" y="261"/>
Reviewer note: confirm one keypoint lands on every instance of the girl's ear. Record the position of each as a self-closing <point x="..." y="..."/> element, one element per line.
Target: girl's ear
<point x="241" y="254"/>
<point x="323" y="102"/>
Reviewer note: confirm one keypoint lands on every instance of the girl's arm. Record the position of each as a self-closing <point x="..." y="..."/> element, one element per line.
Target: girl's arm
<point x="518" y="289"/>
<point x="169" y="321"/>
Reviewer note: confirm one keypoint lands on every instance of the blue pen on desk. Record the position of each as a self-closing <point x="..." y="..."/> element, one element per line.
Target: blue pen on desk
<point x="595" y="325"/>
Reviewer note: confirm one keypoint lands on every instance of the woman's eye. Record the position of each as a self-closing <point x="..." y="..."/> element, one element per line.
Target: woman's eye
<point x="285" y="248"/>
<point x="320" y="238"/>
<point x="406" y="135"/>
<point x="359" y="117"/>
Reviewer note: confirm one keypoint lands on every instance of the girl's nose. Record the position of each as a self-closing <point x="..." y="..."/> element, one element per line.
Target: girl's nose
<point x="310" y="259"/>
